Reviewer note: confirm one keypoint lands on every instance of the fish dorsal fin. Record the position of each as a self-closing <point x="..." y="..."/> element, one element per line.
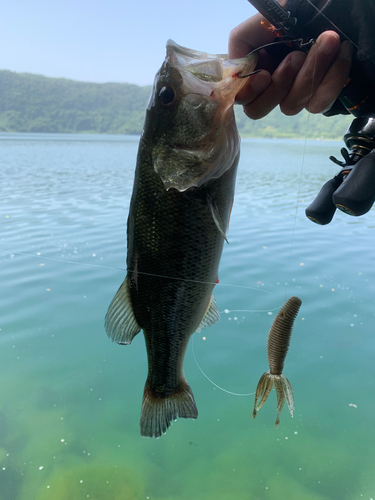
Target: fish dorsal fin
<point x="211" y="317"/>
<point x="216" y="216"/>
<point x="120" y="323"/>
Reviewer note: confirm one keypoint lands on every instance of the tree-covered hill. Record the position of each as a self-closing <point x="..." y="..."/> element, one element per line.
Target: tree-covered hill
<point x="35" y="103"/>
<point x="304" y="125"/>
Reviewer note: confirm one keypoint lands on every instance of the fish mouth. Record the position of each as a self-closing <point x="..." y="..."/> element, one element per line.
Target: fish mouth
<point x="191" y="53"/>
<point x="207" y="67"/>
<point x="208" y="85"/>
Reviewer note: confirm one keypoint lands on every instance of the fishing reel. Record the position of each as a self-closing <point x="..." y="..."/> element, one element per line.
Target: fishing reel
<point x="352" y="190"/>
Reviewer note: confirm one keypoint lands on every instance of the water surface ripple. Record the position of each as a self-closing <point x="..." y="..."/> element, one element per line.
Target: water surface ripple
<point x="70" y="399"/>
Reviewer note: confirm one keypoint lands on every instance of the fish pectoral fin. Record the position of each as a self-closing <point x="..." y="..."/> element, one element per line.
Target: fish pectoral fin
<point x="211" y="316"/>
<point x="120" y="322"/>
<point x="216" y="217"/>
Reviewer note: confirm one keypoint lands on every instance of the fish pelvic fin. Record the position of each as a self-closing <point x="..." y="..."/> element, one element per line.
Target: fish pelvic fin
<point x="158" y="412"/>
<point x="120" y="322"/>
<point x="211" y="316"/>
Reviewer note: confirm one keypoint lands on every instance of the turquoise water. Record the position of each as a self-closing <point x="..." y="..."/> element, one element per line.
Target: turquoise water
<point x="70" y="399"/>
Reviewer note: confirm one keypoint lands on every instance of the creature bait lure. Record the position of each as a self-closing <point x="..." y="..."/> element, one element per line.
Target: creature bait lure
<point x="277" y="349"/>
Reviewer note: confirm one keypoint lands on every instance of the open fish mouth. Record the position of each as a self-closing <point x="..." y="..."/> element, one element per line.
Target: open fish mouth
<point x="215" y="69"/>
<point x="206" y="67"/>
<point x="195" y="135"/>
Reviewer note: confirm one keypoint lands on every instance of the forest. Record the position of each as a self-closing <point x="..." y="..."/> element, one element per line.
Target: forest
<point x="35" y="103"/>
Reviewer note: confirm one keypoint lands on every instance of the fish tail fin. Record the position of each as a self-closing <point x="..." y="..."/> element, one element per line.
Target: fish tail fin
<point x="158" y="412"/>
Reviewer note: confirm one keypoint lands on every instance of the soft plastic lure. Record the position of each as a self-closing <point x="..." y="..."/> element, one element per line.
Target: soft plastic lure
<point x="277" y="349"/>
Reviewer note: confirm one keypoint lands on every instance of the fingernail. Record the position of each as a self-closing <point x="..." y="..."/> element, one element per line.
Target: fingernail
<point x="329" y="45"/>
<point x="260" y="81"/>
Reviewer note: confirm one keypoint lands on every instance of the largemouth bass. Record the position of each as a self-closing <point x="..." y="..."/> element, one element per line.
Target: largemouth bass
<point x="178" y="219"/>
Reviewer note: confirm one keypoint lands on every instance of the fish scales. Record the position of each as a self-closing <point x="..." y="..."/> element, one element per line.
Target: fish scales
<point x="177" y="224"/>
<point x="176" y="240"/>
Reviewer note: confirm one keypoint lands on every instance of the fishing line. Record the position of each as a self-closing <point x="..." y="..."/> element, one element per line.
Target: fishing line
<point x="212" y="382"/>
<point x="60" y="260"/>
<point x="319" y="11"/>
<point x="294" y="40"/>
<point x="139" y="272"/>
<point x="331" y="22"/>
<point x="203" y="282"/>
<point x="167" y="277"/>
<point x="291" y="249"/>
<point x="227" y="311"/>
<point x="301" y="171"/>
<point x="338" y="29"/>
<point x="297" y="203"/>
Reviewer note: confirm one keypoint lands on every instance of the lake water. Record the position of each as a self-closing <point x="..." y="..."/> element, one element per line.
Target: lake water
<point x="70" y="399"/>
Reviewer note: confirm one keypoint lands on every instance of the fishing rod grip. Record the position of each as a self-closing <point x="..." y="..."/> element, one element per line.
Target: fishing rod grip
<point x="355" y="98"/>
<point x="356" y="195"/>
<point x="275" y="14"/>
<point x="322" y="209"/>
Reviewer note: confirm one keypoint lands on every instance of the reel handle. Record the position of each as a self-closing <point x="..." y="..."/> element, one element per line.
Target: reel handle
<point x="352" y="191"/>
<point x="356" y="194"/>
<point x="322" y="209"/>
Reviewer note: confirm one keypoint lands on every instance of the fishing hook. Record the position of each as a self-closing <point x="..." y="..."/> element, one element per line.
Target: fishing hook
<point x="302" y="45"/>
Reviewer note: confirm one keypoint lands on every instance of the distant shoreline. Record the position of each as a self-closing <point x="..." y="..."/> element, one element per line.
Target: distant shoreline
<point x="38" y="104"/>
<point x="136" y="137"/>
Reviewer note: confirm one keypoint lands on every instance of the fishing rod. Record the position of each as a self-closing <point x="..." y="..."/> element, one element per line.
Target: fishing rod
<point x="353" y="194"/>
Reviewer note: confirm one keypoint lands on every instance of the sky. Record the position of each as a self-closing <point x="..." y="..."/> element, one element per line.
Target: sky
<point x="110" y="40"/>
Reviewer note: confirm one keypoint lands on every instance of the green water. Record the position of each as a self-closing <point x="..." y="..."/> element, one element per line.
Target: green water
<point x="70" y="399"/>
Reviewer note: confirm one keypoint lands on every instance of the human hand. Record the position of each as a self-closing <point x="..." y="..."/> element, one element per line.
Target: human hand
<point x="311" y="81"/>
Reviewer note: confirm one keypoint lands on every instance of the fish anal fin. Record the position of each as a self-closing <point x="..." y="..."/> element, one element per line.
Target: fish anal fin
<point x="120" y="322"/>
<point x="211" y="316"/>
<point x="216" y="217"/>
<point x="158" y="412"/>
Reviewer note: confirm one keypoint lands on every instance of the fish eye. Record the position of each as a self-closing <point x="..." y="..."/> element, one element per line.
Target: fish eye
<point x="166" y="96"/>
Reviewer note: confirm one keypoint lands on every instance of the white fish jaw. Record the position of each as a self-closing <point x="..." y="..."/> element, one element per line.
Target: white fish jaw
<point x="208" y="85"/>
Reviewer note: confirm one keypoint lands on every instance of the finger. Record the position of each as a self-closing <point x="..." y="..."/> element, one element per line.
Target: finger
<point x="318" y="61"/>
<point x="334" y="80"/>
<point x="255" y="85"/>
<point x="282" y="81"/>
<point x="248" y="36"/>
